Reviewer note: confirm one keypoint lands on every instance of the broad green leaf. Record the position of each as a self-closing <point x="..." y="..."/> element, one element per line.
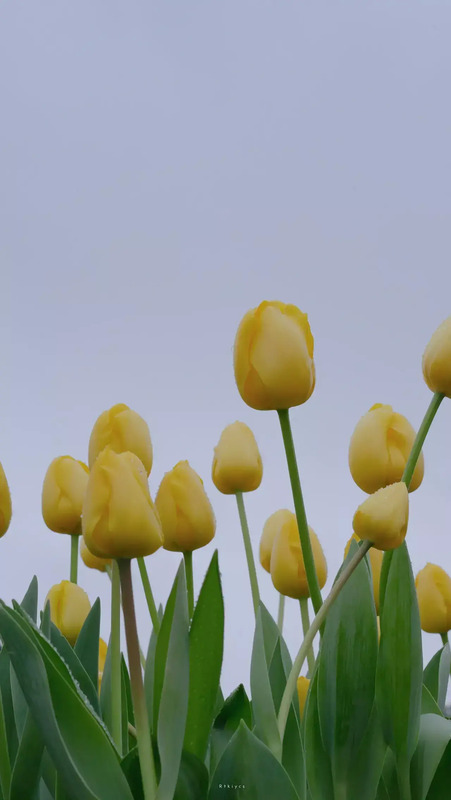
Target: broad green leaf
<point x="292" y="758"/>
<point x="86" y="760"/>
<point x="150" y="668"/>
<point x="7" y="703"/>
<point x="105" y="691"/>
<point x="192" y="781"/>
<point x="262" y="700"/>
<point x="76" y="668"/>
<point x="251" y="771"/>
<point x="439" y="788"/>
<point x="127" y="705"/>
<point x="365" y="775"/>
<point x="271" y="632"/>
<point x="174" y="695"/>
<point x="30" y="599"/>
<point x="434" y="738"/>
<point x="20" y="705"/>
<point x="436" y="675"/>
<point x="5" y="765"/>
<point x="132" y="771"/>
<point x="206" y="644"/>
<point x="317" y="762"/>
<point x="428" y="704"/>
<point x="161" y="651"/>
<point x="399" y="667"/>
<point x="235" y="708"/>
<point x="87" y="644"/>
<point x="27" y="766"/>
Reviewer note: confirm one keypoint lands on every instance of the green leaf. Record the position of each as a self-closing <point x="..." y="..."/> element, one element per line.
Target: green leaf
<point x="76" y="668"/>
<point x="150" y="668"/>
<point x="206" y="644"/>
<point x="251" y="771"/>
<point x="105" y="691"/>
<point x="436" y="675"/>
<point x="27" y="766"/>
<point x="161" y="651"/>
<point x="127" y="705"/>
<point x="174" y="695"/>
<point x="428" y="704"/>
<point x="365" y="775"/>
<point x="30" y="600"/>
<point x="440" y="783"/>
<point x="86" y="760"/>
<point x="317" y="762"/>
<point x="192" y="781"/>
<point x="7" y="703"/>
<point x="87" y="644"/>
<point x="236" y="708"/>
<point x="399" y="667"/>
<point x="433" y="740"/>
<point x="262" y="700"/>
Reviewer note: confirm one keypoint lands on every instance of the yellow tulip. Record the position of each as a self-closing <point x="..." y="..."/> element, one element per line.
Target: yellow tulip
<point x="375" y="557"/>
<point x="63" y="493"/>
<point x="5" y="503"/>
<point x="271" y="528"/>
<point x="437" y="360"/>
<point x="382" y="518"/>
<point x="92" y="561"/>
<point x="119" y="518"/>
<point x="287" y="564"/>
<point x="273" y="357"/>
<point x="434" y="599"/>
<point x="69" y="607"/>
<point x="237" y="464"/>
<point x="185" y="511"/>
<point x="103" y="649"/>
<point x="303" y="687"/>
<point x="379" y="449"/>
<point x="122" y="430"/>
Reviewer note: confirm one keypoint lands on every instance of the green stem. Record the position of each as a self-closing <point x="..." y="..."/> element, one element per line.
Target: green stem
<point x="188" y="557"/>
<point x="109" y="572"/>
<point x="290" y="687"/>
<point x="145" y="751"/>
<point x="420" y="437"/>
<point x="74" y="557"/>
<point x="5" y="767"/>
<point x="303" y="602"/>
<point x="116" y="712"/>
<point x="306" y="546"/>
<point x="248" y="549"/>
<point x="444" y="637"/>
<point x="281" y="612"/>
<point x="149" y="596"/>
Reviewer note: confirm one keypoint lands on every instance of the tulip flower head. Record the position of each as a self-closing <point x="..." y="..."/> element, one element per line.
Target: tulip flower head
<point x="437" y="360"/>
<point x="237" y="464"/>
<point x="5" y="503"/>
<point x="271" y="528"/>
<point x="287" y="563"/>
<point x="119" y="517"/>
<point x="91" y="561"/>
<point x="69" y="607"/>
<point x="122" y="430"/>
<point x="273" y="357"/>
<point x="303" y="685"/>
<point x="185" y="511"/>
<point x="382" y="518"/>
<point x="375" y="557"/>
<point x="433" y="586"/>
<point x="379" y="449"/>
<point x="63" y="493"/>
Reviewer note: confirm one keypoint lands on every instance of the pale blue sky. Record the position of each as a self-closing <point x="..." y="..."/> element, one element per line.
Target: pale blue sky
<point x="167" y="165"/>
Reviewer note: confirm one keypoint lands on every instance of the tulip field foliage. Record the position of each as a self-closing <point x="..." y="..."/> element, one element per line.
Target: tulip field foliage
<point x="373" y="728"/>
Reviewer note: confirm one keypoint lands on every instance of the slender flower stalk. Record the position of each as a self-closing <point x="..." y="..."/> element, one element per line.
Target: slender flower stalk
<point x="116" y="716"/>
<point x="280" y="613"/>
<point x="248" y="549"/>
<point x="420" y="437"/>
<point x="74" y="557"/>
<point x="188" y="558"/>
<point x="109" y="572"/>
<point x="444" y="637"/>
<point x="145" y="751"/>
<point x="299" y="508"/>
<point x="290" y="687"/>
<point x="303" y="602"/>
<point x="149" y="595"/>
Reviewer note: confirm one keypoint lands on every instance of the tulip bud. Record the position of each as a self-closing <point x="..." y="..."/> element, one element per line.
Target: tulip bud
<point x="5" y="503"/>
<point x="122" y="430"/>
<point x="273" y="357"/>
<point x="103" y="649"/>
<point x="186" y="515"/>
<point x="119" y="518"/>
<point x="382" y="518"/>
<point x="379" y="449"/>
<point x="287" y="563"/>
<point x="375" y="557"/>
<point x="63" y="493"/>
<point x="237" y="464"/>
<point x="434" y="599"/>
<point x="271" y="528"/>
<point x="69" y="607"/>
<point x="92" y="561"/>
<point x="437" y="360"/>
<point x="303" y="687"/>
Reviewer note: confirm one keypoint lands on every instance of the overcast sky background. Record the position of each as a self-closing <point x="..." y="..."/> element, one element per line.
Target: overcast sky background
<point x="164" y="167"/>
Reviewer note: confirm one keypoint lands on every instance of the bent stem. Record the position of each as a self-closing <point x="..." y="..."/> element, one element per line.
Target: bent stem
<point x="281" y="612"/>
<point x="145" y="752"/>
<point x="188" y="558"/>
<point x="74" y="557"/>
<point x="116" y="715"/>
<point x="290" y="687"/>
<point x="306" y="546"/>
<point x="303" y="602"/>
<point x="149" y="595"/>
<point x="420" y="437"/>
<point x="248" y="549"/>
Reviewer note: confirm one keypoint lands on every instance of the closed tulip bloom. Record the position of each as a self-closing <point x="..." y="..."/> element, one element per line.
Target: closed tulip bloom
<point x="119" y="517"/>
<point x="237" y="464"/>
<point x="437" y="360"/>
<point x="302" y="687"/>
<point x="271" y="528"/>
<point x="379" y="449"/>
<point x="5" y="503"/>
<point x="382" y="518"/>
<point x="185" y="511"/>
<point x="273" y="357"/>
<point x="375" y="557"/>
<point x="434" y="599"/>
<point x="63" y="493"/>
<point x="287" y="564"/>
<point x="122" y="430"/>
<point x="92" y="561"/>
<point x="69" y="607"/>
